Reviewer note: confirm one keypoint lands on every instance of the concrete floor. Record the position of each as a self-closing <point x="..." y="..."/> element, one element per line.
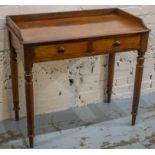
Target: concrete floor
<point x="94" y="126"/>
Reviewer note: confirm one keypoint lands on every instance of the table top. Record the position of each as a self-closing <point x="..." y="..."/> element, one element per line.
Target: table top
<point x="51" y="27"/>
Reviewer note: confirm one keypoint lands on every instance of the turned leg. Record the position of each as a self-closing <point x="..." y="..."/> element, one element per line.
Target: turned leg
<point x="111" y="66"/>
<point x="137" y="85"/>
<point x="29" y="95"/>
<point x="14" y="76"/>
<point x="29" y="105"/>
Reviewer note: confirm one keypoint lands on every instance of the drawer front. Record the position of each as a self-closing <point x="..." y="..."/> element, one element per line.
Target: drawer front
<point x="116" y="44"/>
<point x="86" y="48"/>
<point x="60" y="51"/>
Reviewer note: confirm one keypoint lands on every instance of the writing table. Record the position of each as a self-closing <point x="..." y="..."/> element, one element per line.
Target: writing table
<point x="56" y="36"/>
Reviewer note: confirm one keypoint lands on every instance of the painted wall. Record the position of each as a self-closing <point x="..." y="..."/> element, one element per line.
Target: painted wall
<point x="59" y="85"/>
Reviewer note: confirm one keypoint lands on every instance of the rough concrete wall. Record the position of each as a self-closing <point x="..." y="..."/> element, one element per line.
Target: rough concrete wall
<point x="59" y="85"/>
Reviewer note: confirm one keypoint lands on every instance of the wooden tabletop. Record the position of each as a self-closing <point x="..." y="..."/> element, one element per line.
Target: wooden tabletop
<point x="37" y="28"/>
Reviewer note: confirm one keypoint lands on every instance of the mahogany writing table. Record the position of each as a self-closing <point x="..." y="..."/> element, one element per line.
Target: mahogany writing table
<point x="56" y="36"/>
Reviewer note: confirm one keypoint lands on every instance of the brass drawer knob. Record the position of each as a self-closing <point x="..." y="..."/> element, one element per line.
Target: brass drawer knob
<point x="61" y="50"/>
<point x="117" y="43"/>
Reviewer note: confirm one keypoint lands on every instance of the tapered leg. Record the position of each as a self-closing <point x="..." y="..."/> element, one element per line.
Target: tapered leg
<point x="137" y="85"/>
<point x="29" y="95"/>
<point x="14" y="76"/>
<point x="111" y="66"/>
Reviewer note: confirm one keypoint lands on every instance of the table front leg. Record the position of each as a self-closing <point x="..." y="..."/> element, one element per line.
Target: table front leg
<point x="111" y="66"/>
<point x="28" y="57"/>
<point x="137" y="85"/>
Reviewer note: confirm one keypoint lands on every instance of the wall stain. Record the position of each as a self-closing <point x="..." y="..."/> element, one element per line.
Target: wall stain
<point x="108" y="145"/>
<point x="74" y="122"/>
<point x="8" y="136"/>
<point x="83" y="141"/>
<point x="105" y="65"/>
<point x="81" y="66"/>
<point x="92" y="69"/>
<point x="151" y="140"/>
<point x="71" y="82"/>
<point x="56" y="126"/>
<point x="121" y="60"/>
<point x="117" y="64"/>
<point x="151" y="84"/>
<point x="150" y="108"/>
<point x="60" y="93"/>
<point x="81" y="79"/>
<point x="108" y="135"/>
<point x="147" y="128"/>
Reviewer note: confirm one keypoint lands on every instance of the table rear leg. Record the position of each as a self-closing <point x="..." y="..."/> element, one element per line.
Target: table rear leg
<point x="111" y="66"/>
<point x="14" y="76"/>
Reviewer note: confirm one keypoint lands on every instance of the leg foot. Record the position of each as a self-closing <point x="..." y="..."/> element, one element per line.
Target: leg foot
<point x="133" y="119"/>
<point x="16" y="115"/>
<point x="31" y="142"/>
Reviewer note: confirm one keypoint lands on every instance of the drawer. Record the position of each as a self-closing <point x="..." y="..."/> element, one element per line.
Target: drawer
<point x="86" y="48"/>
<point x="116" y="44"/>
<point x="61" y="51"/>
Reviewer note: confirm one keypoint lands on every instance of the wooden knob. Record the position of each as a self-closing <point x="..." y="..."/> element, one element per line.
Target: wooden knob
<point x="61" y="50"/>
<point x="117" y="43"/>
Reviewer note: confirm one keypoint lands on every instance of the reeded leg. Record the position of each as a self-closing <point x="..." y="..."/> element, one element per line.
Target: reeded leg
<point x="137" y="85"/>
<point x="29" y="95"/>
<point x="14" y="76"/>
<point x="111" y="66"/>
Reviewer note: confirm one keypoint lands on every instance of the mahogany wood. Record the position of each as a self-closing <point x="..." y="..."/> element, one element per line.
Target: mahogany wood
<point x="65" y="35"/>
